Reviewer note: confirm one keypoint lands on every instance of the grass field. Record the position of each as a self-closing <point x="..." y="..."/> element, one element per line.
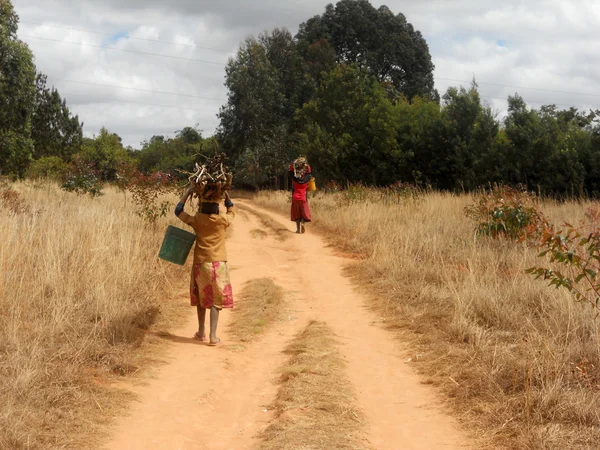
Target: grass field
<point x="80" y="282"/>
<point x="518" y="361"/>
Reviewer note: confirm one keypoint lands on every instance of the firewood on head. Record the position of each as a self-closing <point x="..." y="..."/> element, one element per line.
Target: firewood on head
<point x="211" y="179"/>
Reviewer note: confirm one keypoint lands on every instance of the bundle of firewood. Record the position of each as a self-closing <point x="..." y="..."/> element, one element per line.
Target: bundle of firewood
<point x="211" y="179"/>
<point x="300" y="166"/>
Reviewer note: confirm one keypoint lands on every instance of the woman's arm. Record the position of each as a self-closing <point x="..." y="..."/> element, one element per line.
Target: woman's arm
<point x="184" y="197"/>
<point x="230" y="215"/>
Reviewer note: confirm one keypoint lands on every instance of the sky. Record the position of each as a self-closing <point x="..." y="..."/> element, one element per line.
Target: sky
<point x="148" y="67"/>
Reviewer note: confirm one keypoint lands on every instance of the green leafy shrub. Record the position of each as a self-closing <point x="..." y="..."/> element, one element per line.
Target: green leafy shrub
<point x="82" y="177"/>
<point x="507" y="212"/>
<point x="51" y="167"/>
<point x="574" y="260"/>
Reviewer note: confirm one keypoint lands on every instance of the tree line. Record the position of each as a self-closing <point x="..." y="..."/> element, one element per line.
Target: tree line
<point x="353" y="90"/>
<point x="40" y="137"/>
<point x="34" y="121"/>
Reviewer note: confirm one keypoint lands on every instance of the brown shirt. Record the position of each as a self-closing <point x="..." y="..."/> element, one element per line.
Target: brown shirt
<point x="210" y="235"/>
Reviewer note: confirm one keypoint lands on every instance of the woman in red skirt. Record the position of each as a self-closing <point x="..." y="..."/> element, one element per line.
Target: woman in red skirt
<point x="300" y="174"/>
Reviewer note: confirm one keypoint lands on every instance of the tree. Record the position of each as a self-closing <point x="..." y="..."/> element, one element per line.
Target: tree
<point x="256" y="101"/>
<point x="17" y="94"/>
<point x="375" y="39"/>
<point x="470" y="128"/>
<point x="545" y="148"/>
<point x="54" y="131"/>
<point x="104" y="153"/>
<point x="190" y="135"/>
<point x="266" y="86"/>
<point x="422" y="140"/>
<point x="349" y="129"/>
<point x="177" y="155"/>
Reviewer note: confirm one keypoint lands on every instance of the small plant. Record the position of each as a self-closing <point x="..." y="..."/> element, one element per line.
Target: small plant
<point x="82" y="177"/>
<point x="399" y="192"/>
<point x="331" y="187"/>
<point x="507" y="212"/>
<point x="354" y="193"/>
<point x="11" y="200"/>
<point x="574" y="254"/>
<point x="147" y="192"/>
<point x="51" y="167"/>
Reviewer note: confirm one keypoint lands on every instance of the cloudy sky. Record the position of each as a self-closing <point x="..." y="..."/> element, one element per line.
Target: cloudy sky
<point x="105" y="57"/>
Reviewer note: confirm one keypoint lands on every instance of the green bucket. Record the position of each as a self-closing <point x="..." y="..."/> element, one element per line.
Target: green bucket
<point x="176" y="245"/>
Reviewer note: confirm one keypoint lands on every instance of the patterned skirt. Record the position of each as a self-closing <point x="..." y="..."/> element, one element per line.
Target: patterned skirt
<point x="210" y="286"/>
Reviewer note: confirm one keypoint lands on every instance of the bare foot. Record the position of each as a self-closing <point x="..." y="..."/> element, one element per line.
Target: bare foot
<point x="214" y="343"/>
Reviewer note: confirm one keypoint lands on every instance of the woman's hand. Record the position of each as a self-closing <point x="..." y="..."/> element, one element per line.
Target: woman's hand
<point x="228" y="202"/>
<point x="187" y="193"/>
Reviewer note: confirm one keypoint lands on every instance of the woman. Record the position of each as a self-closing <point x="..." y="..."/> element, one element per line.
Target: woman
<point x="300" y="173"/>
<point x="210" y="288"/>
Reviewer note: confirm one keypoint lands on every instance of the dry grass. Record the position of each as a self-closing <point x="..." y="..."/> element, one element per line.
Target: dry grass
<point x="518" y="361"/>
<point x="280" y="232"/>
<point x="241" y="194"/>
<point x="80" y="283"/>
<point x="258" y="234"/>
<point x="314" y="406"/>
<point x="260" y="305"/>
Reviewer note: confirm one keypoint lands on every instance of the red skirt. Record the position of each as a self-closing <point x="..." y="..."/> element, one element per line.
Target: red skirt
<point x="300" y="210"/>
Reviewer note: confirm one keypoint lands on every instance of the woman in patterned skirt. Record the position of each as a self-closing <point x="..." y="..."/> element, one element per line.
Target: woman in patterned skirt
<point x="210" y="287"/>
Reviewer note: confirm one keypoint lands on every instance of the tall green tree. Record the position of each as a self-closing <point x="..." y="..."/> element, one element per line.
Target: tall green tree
<point x="104" y="153"/>
<point x="375" y="39"/>
<point x="256" y="101"/>
<point x="545" y="147"/>
<point x="470" y="129"/>
<point x="266" y="86"/>
<point x="349" y="128"/>
<point x="17" y="95"/>
<point x="420" y="134"/>
<point x="55" y="131"/>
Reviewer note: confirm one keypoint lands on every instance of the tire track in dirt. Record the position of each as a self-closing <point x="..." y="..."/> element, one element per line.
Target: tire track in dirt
<point x="402" y="413"/>
<point x="215" y="398"/>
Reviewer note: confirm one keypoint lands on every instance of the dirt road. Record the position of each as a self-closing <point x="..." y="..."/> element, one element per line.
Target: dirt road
<point x="217" y="398"/>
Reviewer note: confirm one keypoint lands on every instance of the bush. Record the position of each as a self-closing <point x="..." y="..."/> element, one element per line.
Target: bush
<point x="147" y="191"/>
<point x="574" y="257"/>
<point x="82" y="177"/>
<point x="507" y="212"/>
<point x="51" y="167"/>
<point x="12" y="201"/>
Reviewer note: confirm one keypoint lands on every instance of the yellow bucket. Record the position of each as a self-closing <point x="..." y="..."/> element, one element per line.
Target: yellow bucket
<point x="312" y="185"/>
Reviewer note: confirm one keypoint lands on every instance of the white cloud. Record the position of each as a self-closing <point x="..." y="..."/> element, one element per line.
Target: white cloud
<point x="551" y="45"/>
